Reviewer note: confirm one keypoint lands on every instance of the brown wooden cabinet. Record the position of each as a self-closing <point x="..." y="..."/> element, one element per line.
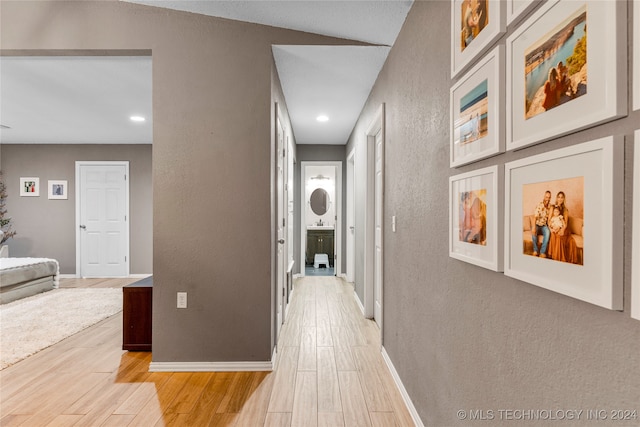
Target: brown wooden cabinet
<point x="136" y="315"/>
<point x="319" y="242"/>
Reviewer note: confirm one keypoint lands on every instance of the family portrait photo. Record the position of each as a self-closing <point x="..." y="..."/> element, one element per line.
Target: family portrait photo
<point x="556" y="66"/>
<point x="475" y="17"/>
<point x="553" y="220"/>
<point x="472" y="217"/>
<point x="474" y="112"/>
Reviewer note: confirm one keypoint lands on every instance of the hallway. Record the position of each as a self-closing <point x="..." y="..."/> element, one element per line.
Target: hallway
<point x="329" y="372"/>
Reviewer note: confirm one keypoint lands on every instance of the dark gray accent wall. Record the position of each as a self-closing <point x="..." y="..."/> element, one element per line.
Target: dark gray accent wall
<point x="47" y="228"/>
<point x="318" y="153"/>
<point x="462" y="337"/>
<point x="212" y="169"/>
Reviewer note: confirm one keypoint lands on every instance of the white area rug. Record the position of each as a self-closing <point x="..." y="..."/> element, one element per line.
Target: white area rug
<point x="37" y="322"/>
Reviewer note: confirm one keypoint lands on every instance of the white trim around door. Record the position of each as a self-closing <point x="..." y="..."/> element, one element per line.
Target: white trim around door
<point x="374" y="219"/>
<point x="338" y="204"/>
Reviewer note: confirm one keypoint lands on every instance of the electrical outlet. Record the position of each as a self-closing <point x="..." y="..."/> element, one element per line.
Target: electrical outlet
<point x="393" y="223"/>
<point x="182" y="300"/>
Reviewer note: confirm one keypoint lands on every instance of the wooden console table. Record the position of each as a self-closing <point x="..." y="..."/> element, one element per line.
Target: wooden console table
<point x="136" y="315"/>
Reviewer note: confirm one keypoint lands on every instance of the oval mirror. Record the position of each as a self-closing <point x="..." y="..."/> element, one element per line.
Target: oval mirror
<point x="319" y="201"/>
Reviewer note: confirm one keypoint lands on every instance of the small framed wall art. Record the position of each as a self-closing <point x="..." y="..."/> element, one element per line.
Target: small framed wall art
<point x="30" y="187"/>
<point x="564" y="221"/>
<point x="58" y="190"/>
<point x="475" y="25"/>
<point x="475" y="212"/>
<point x="550" y="89"/>
<point x="476" y="119"/>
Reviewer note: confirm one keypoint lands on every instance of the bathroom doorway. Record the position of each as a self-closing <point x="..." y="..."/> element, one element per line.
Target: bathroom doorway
<point x="321" y="237"/>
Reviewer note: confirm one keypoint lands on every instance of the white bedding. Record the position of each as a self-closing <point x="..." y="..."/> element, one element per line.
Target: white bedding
<point x="9" y="263"/>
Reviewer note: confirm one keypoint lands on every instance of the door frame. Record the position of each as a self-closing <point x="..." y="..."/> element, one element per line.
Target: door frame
<point x="377" y="125"/>
<point x="338" y="228"/>
<point x="350" y="218"/>
<point x="80" y="163"/>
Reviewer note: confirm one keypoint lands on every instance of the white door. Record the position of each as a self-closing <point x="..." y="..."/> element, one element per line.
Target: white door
<point x="280" y="258"/>
<point x="103" y="223"/>
<point x="351" y="223"/>
<point x="377" y="277"/>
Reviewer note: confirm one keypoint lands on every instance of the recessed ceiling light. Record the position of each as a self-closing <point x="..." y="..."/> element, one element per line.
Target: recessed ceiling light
<point x="322" y="118"/>
<point x="137" y="119"/>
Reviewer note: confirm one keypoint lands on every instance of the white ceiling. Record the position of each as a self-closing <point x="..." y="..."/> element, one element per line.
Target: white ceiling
<point x="75" y="100"/>
<point x="89" y="100"/>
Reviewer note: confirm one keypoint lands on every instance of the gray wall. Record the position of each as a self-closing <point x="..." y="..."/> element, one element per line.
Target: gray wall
<point x="212" y="175"/>
<point x="47" y="228"/>
<point x="460" y="336"/>
<point x="318" y="153"/>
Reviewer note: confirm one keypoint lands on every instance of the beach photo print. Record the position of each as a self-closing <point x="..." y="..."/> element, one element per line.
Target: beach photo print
<point x="566" y="70"/>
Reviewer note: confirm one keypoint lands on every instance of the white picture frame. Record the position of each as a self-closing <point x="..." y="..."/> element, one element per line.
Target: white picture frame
<point x="476" y="119"/>
<point x="517" y="9"/>
<point x="489" y="18"/>
<point x="29" y="187"/>
<point x="590" y="176"/>
<point x="588" y="95"/>
<point x="635" y="250"/>
<point x="636" y="55"/>
<point x="482" y="191"/>
<point x="58" y="190"/>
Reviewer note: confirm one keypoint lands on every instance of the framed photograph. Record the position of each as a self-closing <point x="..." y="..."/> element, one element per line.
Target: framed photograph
<point x="475" y="26"/>
<point x="475" y="212"/>
<point x="30" y="187"/>
<point x="550" y="89"/>
<point x="636" y="55"/>
<point x="58" y="190"/>
<point x="517" y="9"/>
<point x="635" y="251"/>
<point x="476" y="117"/>
<point x="564" y="221"/>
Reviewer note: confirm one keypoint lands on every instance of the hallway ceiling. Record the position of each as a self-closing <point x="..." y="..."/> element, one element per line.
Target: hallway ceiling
<point x="330" y="80"/>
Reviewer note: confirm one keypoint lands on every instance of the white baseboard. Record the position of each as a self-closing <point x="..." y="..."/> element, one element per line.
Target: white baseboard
<point x="355" y="296"/>
<point x="403" y="391"/>
<point x="298" y="275"/>
<point x="131" y="276"/>
<point x="343" y="276"/>
<point x="210" y="366"/>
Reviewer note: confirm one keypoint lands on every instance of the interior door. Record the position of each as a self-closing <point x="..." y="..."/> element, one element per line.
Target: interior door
<point x="280" y="258"/>
<point x="351" y="224"/>
<point x="377" y="277"/>
<point x="103" y="193"/>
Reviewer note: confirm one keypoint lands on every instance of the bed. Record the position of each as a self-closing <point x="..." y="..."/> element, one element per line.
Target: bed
<point x="23" y="277"/>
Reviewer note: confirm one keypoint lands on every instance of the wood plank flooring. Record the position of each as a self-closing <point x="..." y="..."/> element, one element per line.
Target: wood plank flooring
<point x="329" y="373"/>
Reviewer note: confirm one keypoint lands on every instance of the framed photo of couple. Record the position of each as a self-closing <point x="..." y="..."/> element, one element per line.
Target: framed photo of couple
<point x="564" y="221"/>
<point x="566" y="70"/>
<point x="476" y="119"/>
<point x="475" y="25"/>
<point x="475" y="211"/>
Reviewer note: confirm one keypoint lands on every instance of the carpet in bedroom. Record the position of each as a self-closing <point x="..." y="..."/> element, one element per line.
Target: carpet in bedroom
<point x="32" y="324"/>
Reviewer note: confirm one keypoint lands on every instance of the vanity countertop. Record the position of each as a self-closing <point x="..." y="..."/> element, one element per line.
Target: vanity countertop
<point x="319" y="227"/>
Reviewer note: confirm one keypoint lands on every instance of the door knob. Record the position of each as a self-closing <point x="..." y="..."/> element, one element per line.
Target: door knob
<point x="84" y="227"/>
<point x="281" y="241"/>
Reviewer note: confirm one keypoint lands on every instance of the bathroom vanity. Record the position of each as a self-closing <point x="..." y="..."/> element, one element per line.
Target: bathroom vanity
<point x="320" y="240"/>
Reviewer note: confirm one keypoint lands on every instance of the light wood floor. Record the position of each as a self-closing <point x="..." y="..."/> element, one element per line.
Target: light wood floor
<point x="329" y="372"/>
